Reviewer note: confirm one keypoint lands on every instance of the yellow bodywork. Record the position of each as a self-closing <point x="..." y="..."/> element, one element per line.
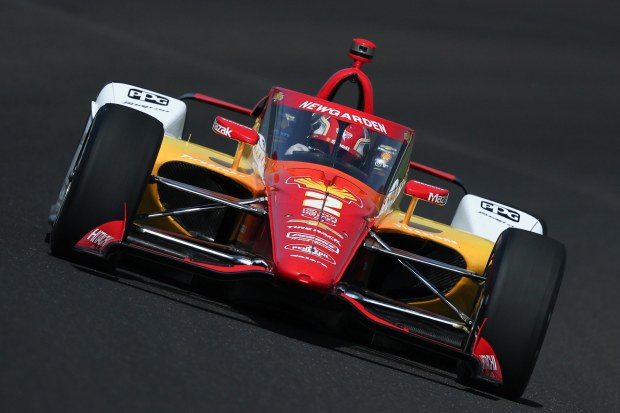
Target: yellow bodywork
<point x="173" y="149"/>
<point x="475" y="251"/>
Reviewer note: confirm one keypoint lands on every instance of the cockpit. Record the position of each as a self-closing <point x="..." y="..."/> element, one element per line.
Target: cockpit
<point x="303" y="128"/>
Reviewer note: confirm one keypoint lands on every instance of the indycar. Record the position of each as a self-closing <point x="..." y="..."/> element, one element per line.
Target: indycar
<point x="309" y="204"/>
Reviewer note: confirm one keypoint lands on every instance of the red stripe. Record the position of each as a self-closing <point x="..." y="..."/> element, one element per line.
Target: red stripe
<point x="432" y="171"/>
<point x="369" y="314"/>
<point x="215" y="268"/>
<point x="223" y="104"/>
<point x="373" y="317"/>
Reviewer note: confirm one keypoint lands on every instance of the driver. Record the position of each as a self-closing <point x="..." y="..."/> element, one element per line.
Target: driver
<point x="353" y="144"/>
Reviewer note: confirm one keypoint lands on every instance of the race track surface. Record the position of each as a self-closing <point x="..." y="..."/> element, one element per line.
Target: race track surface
<point x="519" y="100"/>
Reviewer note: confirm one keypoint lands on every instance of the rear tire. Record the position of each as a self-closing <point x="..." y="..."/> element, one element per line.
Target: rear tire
<point x="108" y="177"/>
<point x="524" y="276"/>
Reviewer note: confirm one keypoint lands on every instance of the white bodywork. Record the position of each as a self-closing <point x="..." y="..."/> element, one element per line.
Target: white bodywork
<point x="488" y="219"/>
<point x="169" y="111"/>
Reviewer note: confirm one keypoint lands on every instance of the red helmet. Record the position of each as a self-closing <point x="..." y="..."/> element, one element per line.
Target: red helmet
<point x="325" y="131"/>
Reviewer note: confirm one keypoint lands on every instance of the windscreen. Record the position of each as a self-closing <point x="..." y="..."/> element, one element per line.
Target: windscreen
<point x="295" y="134"/>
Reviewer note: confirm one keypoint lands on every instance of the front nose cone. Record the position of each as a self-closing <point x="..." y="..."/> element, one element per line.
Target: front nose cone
<point x="305" y="264"/>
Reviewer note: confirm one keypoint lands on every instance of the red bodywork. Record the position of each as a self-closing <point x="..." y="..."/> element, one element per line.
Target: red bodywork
<point x="100" y="238"/>
<point x="319" y="215"/>
<point x="488" y="359"/>
<point x="318" y="220"/>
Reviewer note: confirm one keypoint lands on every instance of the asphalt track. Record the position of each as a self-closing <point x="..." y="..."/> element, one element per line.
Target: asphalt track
<point x="520" y="100"/>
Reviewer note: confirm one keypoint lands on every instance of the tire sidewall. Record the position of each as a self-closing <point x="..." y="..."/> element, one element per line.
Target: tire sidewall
<point x="523" y="279"/>
<point x="109" y="176"/>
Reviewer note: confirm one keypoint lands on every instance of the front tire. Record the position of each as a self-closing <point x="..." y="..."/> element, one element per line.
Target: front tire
<point x="524" y="275"/>
<point x="108" y="176"/>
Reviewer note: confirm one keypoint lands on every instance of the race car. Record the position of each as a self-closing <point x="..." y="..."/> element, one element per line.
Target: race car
<point x="309" y="204"/>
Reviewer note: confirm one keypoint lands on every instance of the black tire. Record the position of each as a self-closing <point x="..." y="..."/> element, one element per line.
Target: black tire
<point x="524" y="275"/>
<point x="53" y="214"/>
<point x="111" y="171"/>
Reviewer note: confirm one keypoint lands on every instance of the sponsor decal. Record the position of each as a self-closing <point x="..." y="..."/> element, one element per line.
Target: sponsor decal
<point x="147" y="97"/>
<point x="99" y="238"/>
<point x="221" y="129"/>
<point x="381" y="163"/>
<point x="321" y="200"/>
<point x="425" y="233"/>
<point x="311" y="213"/>
<point x="315" y="230"/>
<point x="148" y="107"/>
<point x="318" y="108"/>
<point x="314" y="239"/>
<point x="488" y="362"/>
<point x="342" y="193"/>
<point x="314" y="225"/>
<point x="437" y="199"/>
<point x="103" y="235"/>
<point x="434" y="236"/>
<point x="314" y="213"/>
<point x="311" y="250"/>
<point x="211" y="165"/>
<point x="386" y="156"/>
<point x="500" y="210"/>
<point x="387" y="153"/>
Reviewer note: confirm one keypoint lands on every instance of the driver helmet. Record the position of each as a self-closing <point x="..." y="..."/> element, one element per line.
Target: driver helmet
<point x="325" y="130"/>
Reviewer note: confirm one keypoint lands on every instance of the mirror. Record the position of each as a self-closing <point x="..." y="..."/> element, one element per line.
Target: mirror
<point x="426" y="192"/>
<point x="234" y="130"/>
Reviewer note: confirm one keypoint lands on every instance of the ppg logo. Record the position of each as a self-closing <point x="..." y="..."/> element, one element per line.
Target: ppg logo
<point x="500" y="210"/>
<point x="147" y="97"/>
